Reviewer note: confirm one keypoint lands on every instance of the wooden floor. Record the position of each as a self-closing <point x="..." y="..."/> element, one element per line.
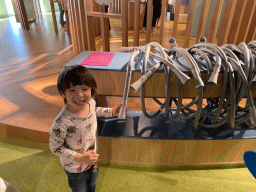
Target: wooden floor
<point x="30" y="62"/>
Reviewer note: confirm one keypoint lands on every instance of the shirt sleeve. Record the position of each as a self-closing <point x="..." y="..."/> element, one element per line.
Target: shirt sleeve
<point x="102" y="111"/>
<point x="57" y="142"/>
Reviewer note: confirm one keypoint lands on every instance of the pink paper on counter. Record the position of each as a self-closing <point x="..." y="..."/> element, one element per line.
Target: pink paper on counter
<point x="98" y="59"/>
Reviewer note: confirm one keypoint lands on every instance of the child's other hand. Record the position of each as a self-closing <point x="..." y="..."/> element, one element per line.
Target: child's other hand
<point x="116" y="109"/>
<point x="89" y="157"/>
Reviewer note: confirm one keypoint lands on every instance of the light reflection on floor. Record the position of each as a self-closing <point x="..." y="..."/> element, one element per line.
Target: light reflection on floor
<point x="37" y="87"/>
<point x="7" y="107"/>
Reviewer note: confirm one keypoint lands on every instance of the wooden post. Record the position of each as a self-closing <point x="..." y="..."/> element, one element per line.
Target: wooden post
<point x="162" y="18"/>
<point x="83" y="23"/>
<point x="246" y="21"/>
<point x="90" y="26"/>
<point x="120" y="6"/>
<point x="189" y="23"/>
<point x="54" y="16"/>
<point x="149" y="20"/>
<point x="136" y="22"/>
<point x="215" y="21"/>
<point x="125" y="23"/>
<point x="22" y="14"/>
<point x="78" y="27"/>
<point x="116" y="6"/>
<point x="226" y="22"/>
<point x="236" y="21"/>
<point x="176" y="18"/>
<point x="252" y="29"/>
<point x="73" y="25"/>
<point x="105" y="33"/>
<point x="203" y="19"/>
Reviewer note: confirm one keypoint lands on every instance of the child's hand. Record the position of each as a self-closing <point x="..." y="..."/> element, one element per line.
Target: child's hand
<point x="89" y="157"/>
<point x="116" y="109"/>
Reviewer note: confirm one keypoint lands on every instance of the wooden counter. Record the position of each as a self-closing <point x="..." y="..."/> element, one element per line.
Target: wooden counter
<point x="174" y="152"/>
<point x="111" y="80"/>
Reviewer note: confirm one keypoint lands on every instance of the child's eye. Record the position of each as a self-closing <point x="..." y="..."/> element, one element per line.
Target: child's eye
<point x="71" y="90"/>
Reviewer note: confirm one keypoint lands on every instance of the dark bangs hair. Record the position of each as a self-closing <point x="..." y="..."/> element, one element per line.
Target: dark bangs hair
<point x="76" y="75"/>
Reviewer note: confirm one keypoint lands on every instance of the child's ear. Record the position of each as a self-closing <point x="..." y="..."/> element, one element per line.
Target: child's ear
<point x="63" y="96"/>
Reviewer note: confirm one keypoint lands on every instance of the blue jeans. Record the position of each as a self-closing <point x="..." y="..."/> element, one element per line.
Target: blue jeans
<point x="62" y="22"/>
<point x="83" y="182"/>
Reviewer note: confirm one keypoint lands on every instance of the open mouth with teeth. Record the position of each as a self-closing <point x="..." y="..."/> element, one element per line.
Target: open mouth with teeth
<point x="80" y="102"/>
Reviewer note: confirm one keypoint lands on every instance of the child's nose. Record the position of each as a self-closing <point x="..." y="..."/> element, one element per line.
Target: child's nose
<point x="79" y="93"/>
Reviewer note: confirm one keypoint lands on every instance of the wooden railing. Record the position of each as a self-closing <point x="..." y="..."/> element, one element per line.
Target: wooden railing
<point x="115" y="7"/>
<point x="237" y="25"/>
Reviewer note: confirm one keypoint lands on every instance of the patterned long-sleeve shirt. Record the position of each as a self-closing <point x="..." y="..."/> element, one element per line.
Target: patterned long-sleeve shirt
<point x="71" y="134"/>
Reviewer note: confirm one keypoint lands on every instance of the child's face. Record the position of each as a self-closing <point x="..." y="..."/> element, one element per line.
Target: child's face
<point x="78" y="97"/>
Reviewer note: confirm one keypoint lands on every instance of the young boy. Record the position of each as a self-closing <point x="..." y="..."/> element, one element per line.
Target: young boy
<point x="73" y="133"/>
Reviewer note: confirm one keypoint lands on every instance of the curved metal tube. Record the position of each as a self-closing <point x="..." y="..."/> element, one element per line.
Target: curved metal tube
<point x="236" y="62"/>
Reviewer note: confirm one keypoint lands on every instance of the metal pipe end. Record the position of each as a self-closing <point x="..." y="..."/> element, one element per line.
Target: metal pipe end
<point x="173" y="43"/>
<point x="202" y="40"/>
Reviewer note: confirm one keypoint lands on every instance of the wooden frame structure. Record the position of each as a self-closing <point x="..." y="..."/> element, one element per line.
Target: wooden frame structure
<point x="158" y="151"/>
<point x="240" y="16"/>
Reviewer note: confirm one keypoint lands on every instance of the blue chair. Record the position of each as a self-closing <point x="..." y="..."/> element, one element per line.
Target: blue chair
<point x="250" y="161"/>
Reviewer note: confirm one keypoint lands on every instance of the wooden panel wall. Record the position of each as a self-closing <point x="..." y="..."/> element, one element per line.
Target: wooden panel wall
<point x="246" y="21"/>
<point x="174" y="152"/>
<point x="240" y="16"/>
<point x="241" y="21"/>
<point x="116" y="7"/>
<point x="203" y="19"/>
<point x="88" y="20"/>
<point x="155" y="151"/>
<point x="237" y="15"/>
<point x="112" y="83"/>
<point x="189" y="23"/>
<point x="226" y="22"/>
<point x="215" y="21"/>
